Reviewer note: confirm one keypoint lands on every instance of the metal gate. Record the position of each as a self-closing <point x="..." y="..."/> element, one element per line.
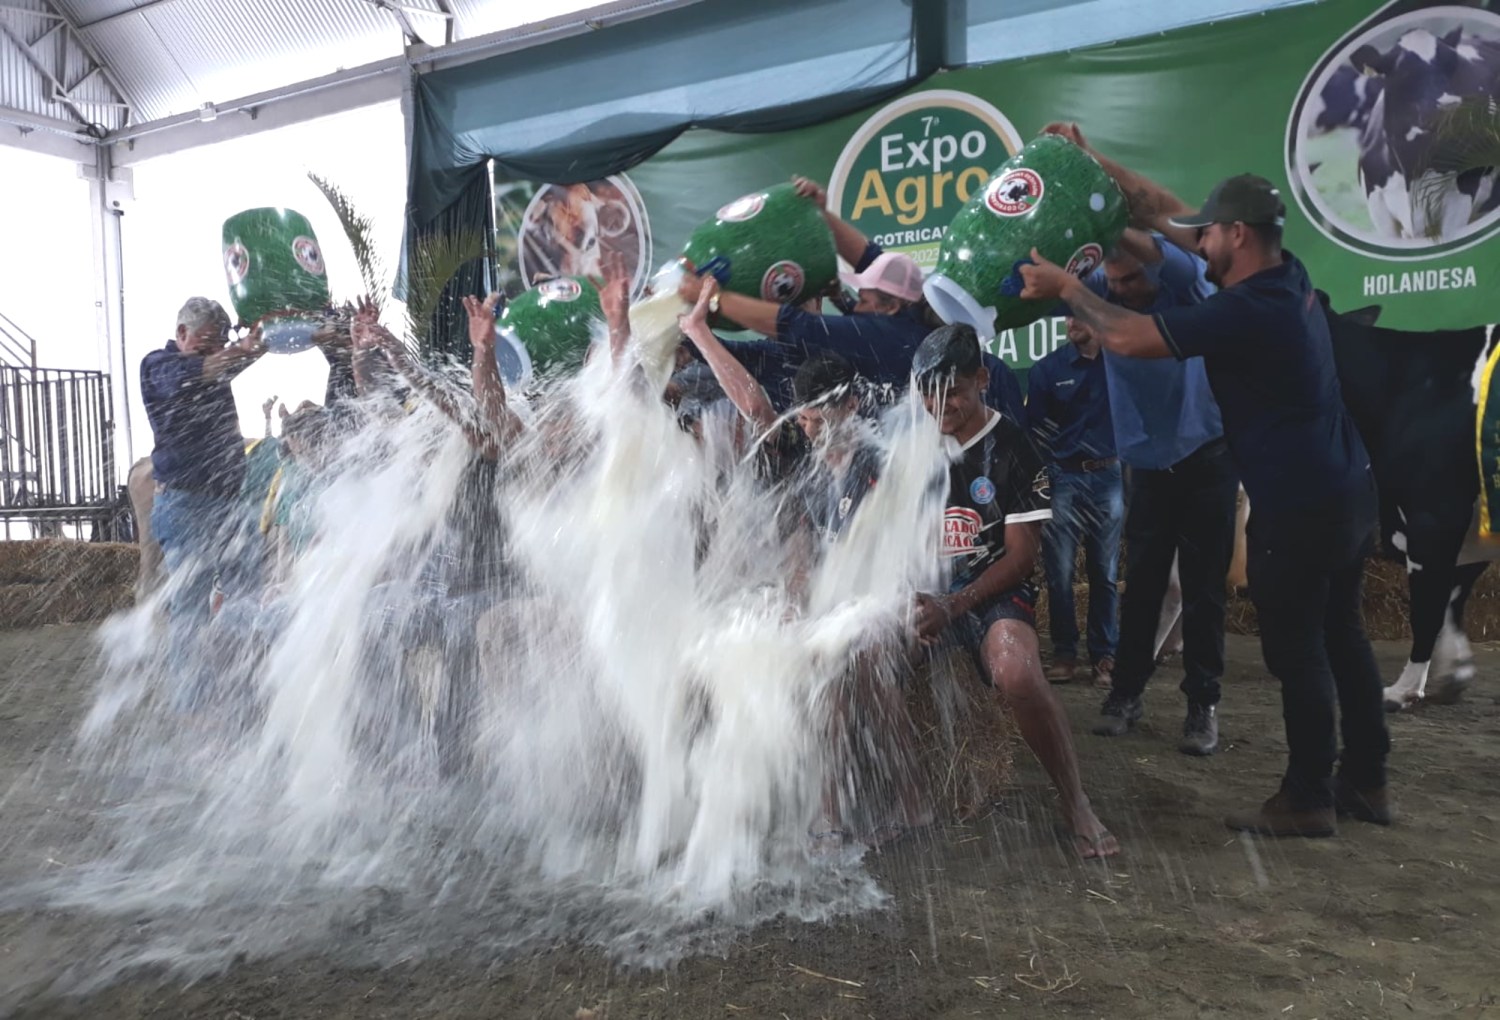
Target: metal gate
<point x="57" y="463"/>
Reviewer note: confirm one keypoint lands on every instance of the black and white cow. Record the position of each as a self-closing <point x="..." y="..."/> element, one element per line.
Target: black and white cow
<point x="1413" y="398"/>
<point x="1419" y="76"/>
<point x="1346" y="101"/>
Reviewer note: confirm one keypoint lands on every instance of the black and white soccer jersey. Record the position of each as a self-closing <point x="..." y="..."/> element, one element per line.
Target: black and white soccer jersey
<point x="997" y="476"/>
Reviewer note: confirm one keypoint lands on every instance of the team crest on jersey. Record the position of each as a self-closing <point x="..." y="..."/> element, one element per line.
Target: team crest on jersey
<point x="782" y="282"/>
<point x="982" y="491"/>
<point x="1015" y="192"/>
<point x="961" y="526"/>
<point x="744" y="208"/>
<point x="1042" y="485"/>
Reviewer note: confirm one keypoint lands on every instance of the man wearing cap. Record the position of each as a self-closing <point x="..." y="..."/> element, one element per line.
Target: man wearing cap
<point x="1181" y="486"/>
<point x="1067" y="414"/>
<point x="998" y="499"/>
<point x="1265" y="344"/>
<point x="198" y="462"/>
<point x="880" y="332"/>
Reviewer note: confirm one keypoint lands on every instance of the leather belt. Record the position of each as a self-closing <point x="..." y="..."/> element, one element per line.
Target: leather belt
<point x="1084" y="464"/>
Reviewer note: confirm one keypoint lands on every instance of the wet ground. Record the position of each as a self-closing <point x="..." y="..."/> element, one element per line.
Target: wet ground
<point x="990" y="919"/>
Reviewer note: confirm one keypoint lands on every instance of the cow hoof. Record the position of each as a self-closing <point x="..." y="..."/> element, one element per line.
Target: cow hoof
<point x="1449" y="690"/>
<point x="1400" y="702"/>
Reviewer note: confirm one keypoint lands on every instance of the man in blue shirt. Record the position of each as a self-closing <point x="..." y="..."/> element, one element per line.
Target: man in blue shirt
<point x="877" y="337"/>
<point x="1181" y="487"/>
<point x="199" y="465"/>
<point x="1067" y="414"/>
<point x="1265" y="344"/>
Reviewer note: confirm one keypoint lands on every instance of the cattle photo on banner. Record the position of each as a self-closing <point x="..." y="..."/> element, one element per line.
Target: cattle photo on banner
<point x="1335" y="102"/>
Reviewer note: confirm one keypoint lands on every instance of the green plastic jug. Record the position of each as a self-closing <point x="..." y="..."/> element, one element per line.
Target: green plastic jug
<point x="772" y="244"/>
<point x="548" y="328"/>
<point x="1051" y="196"/>
<point x="273" y="263"/>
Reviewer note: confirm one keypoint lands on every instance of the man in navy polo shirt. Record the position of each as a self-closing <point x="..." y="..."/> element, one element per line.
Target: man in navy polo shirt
<point x="1181" y="487"/>
<point x="198" y="461"/>
<point x="1265" y="344"/>
<point x="1067" y="413"/>
<point x="877" y="336"/>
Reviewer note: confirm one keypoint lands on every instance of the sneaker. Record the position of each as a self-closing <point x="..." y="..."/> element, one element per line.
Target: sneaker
<point x="1279" y="817"/>
<point x="1118" y="716"/>
<point x="1061" y="671"/>
<point x="1370" y="804"/>
<point x="1200" y="731"/>
<point x="1104" y="673"/>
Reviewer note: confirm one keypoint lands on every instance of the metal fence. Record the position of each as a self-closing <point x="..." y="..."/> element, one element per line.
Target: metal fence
<point x="57" y="462"/>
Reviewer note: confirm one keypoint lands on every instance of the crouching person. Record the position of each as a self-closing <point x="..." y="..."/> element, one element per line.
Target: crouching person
<point x="998" y="498"/>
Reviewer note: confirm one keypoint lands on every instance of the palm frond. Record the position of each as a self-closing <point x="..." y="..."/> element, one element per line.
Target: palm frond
<point x="433" y="260"/>
<point x="1465" y="138"/>
<point x="360" y="230"/>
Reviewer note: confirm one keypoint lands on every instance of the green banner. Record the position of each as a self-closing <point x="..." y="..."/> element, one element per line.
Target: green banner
<point x="1334" y="101"/>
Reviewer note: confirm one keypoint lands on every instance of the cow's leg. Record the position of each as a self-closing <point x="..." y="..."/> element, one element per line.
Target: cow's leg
<point x="1453" y="658"/>
<point x="1379" y="203"/>
<point x="1169" y="627"/>
<point x="1431" y="554"/>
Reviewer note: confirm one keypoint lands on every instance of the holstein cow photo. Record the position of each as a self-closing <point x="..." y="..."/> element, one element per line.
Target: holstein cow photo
<point x="1417" y="78"/>
<point x="1413" y="398"/>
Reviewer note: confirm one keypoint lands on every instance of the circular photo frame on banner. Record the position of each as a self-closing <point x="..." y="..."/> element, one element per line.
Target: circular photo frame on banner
<point x="576" y="229"/>
<point x="1361" y="134"/>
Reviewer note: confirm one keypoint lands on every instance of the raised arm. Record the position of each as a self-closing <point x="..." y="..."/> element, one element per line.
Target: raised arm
<point x="739" y="385"/>
<point x="851" y="244"/>
<point x="1118" y="329"/>
<point x="495" y="415"/>
<point x="368" y="333"/>
<point x="1151" y="205"/>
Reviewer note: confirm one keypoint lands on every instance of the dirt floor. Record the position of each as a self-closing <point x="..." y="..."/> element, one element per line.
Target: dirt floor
<point x="992" y="919"/>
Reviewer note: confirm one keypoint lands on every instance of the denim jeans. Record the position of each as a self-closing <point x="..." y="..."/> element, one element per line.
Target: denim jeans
<point x="1088" y="507"/>
<point x="191" y="528"/>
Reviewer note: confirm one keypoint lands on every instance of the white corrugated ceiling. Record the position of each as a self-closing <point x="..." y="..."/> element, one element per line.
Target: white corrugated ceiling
<point x="162" y="58"/>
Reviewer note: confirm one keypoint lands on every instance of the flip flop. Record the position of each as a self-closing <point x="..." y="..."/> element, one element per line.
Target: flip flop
<point x="1086" y="848"/>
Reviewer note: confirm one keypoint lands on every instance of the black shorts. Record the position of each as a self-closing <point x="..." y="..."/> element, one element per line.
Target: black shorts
<point x="1018" y="603"/>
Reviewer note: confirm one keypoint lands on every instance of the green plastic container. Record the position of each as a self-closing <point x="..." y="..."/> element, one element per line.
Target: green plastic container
<point x="548" y="328"/>
<point x="772" y="244"/>
<point x="1051" y="196"/>
<point x="272" y="262"/>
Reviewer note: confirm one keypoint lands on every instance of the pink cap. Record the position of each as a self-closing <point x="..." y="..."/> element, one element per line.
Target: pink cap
<point x="891" y="273"/>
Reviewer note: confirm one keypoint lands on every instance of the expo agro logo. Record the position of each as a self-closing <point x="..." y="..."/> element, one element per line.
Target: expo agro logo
<point x="913" y="165"/>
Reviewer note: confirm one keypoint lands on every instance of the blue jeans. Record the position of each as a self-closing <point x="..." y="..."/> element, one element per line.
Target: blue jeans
<point x="1088" y="507"/>
<point x="191" y="528"/>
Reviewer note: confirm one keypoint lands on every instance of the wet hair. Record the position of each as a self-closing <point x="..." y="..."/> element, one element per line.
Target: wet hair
<point x="308" y="424"/>
<point x="823" y="378"/>
<point x="199" y="312"/>
<point x="947" y="351"/>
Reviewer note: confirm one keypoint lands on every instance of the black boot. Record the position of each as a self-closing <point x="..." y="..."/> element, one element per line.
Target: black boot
<point x="1200" y="730"/>
<point x="1117" y="716"/>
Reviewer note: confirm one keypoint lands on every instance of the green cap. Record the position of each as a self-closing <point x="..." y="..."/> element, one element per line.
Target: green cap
<point x="1245" y="198"/>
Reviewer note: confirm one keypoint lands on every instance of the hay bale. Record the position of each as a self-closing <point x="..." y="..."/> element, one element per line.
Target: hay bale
<point x="51" y="581"/>
<point x="965" y="738"/>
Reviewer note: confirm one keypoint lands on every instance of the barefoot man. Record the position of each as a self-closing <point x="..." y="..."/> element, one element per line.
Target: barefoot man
<point x="998" y="498"/>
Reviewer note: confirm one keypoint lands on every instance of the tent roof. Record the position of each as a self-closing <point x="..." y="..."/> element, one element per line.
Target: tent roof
<point x="121" y="70"/>
<point x="105" y="67"/>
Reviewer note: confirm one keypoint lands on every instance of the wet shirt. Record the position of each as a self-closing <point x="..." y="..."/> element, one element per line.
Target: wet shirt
<point x="1268" y="354"/>
<point x="830" y="495"/>
<point x="262" y="462"/>
<point x="1067" y="407"/>
<point x="1163" y="409"/>
<point x="880" y="347"/>
<point x="195" y="424"/>
<point x="995" y="478"/>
